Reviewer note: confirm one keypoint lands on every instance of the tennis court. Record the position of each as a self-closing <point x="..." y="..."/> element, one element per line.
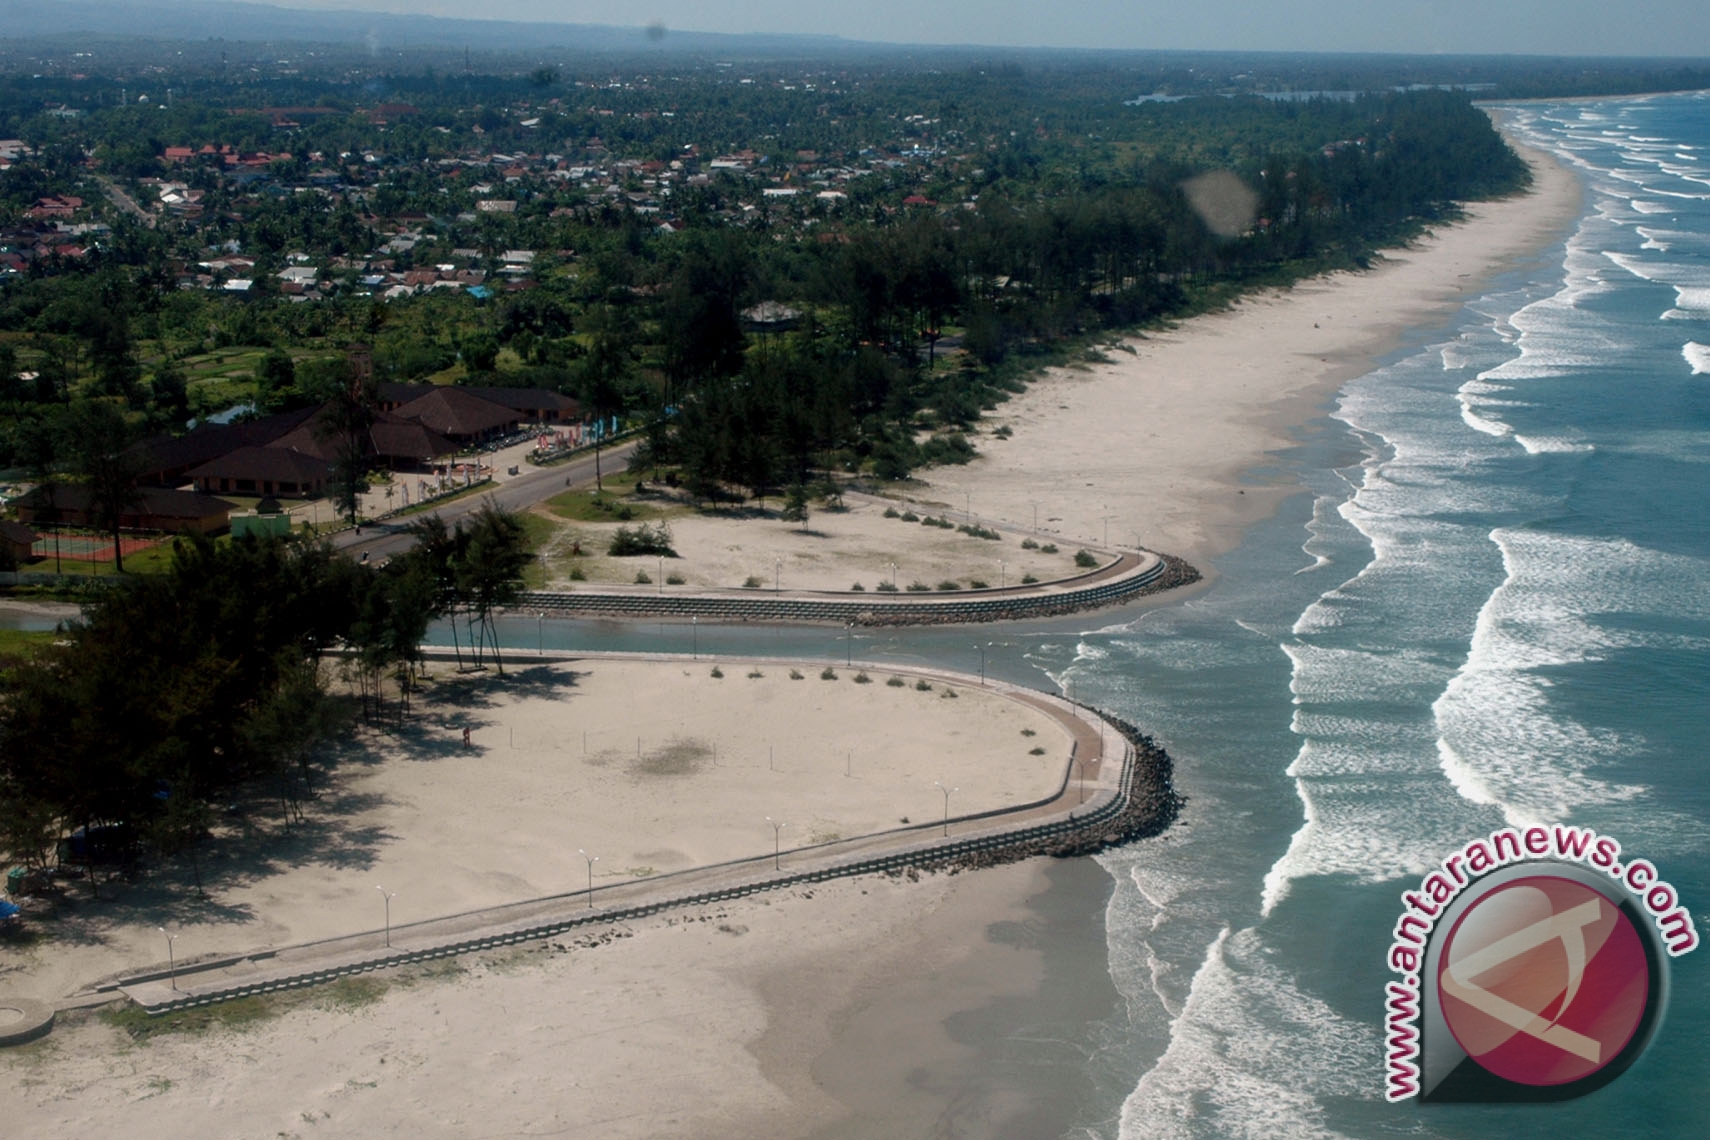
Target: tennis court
<point x="84" y="547"/>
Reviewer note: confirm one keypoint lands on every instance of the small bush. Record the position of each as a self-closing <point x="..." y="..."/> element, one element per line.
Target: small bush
<point x="862" y="678"/>
<point x="630" y="541"/>
<point x="641" y="578"/>
<point x="1085" y="559"/>
<point x="716" y="672"/>
<point x="978" y="584"/>
<point x="887" y="587"/>
<point x="752" y="582"/>
<point x="1028" y="732"/>
<point x="753" y="674"/>
<point x="576" y="574"/>
<point x="892" y="513"/>
<point x="895" y="682"/>
<point x="923" y="686"/>
<point x="795" y="674"/>
<point x="674" y="579"/>
<point x="859" y="588"/>
<point x="909" y="516"/>
<point x="828" y="674"/>
<point x="1036" y="751"/>
<point x="1048" y="548"/>
<point x="1003" y="432"/>
<point x="1028" y="579"/>
<point x="947" y="584"/>
<point x="919" y="587"/>
<point x="979" y="531"/>
<point x="1029" y="544"/>
<point x="951" y="693"/>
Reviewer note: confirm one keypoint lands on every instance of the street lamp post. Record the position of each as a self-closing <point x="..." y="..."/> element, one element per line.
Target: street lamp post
<point x="893" y="575"/>
<point x="388" y="896"/>
<point x="940" y="786"/>
<point x="1003" y="575"/>
<point x="591" y="859"/>
<point x="540" y="635"/>
<point x="171" y="962"/>
<point x="777" y="574"/>
<point x="695" y="633"/>
<point x="777" y="841"/>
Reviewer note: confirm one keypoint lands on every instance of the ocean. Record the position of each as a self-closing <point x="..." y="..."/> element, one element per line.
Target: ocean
<point x="1490" y="605"/>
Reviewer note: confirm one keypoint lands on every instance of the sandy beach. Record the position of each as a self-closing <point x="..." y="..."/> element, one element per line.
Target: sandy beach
<point x="783" y="1015"/>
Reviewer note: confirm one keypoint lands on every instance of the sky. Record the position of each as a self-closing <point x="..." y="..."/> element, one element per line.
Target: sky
<point x="1533" y="27"/>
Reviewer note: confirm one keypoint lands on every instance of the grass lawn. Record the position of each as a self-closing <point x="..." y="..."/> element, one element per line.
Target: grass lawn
<point x="587" y="505"/>
<point x="16" y="643"/>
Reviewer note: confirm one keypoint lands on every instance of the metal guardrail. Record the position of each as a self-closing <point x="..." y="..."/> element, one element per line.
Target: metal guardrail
<point x="936" y="854"/>
<point x="872" y="610"/>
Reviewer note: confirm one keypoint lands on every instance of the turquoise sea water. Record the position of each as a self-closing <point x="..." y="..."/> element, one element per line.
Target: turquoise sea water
<point x="1490" y="604"/>
<point x="1493" y="606"/>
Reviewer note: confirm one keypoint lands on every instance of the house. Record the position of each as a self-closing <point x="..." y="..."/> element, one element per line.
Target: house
<point x="154" y="509"/>
<point x="16" y="542"/>
<point x="459" y="414"/>
<point x="264" y="471"/>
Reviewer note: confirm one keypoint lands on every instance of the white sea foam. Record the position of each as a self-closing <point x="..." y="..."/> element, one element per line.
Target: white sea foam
<point x="1222" y="1074"/>
<point x="1642" y="206"/>
<point x="1500" y="737"/>
<point x="1698" y="356"/>
<point x="1551" y="445"/>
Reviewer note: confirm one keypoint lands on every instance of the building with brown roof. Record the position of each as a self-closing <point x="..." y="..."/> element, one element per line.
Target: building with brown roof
<point x="264" y="471"/>
<point x="155" y="509"/>
<point x="459" y="414"/>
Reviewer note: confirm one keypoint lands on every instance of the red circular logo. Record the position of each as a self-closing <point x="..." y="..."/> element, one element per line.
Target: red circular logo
<point x="1543" y="981"/>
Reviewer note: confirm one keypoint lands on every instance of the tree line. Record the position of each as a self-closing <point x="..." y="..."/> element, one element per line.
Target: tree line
<point x="175" y="693"/>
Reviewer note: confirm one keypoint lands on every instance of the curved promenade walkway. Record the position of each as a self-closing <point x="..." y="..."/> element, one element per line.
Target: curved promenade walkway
<point x="1130" y="575"/>
<point x="1110" y="773"/>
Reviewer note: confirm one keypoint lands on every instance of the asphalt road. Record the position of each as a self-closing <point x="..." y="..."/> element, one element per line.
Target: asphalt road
<point x="385" y="539"/>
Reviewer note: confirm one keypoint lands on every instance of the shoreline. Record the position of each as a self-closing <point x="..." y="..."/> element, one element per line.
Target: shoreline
<point x="762" y="1010"/>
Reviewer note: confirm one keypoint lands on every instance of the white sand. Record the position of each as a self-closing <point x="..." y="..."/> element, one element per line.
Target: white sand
<point x="687" y="1029"/>
<point x="1158" y="440"/>
<point x="647" y="767"/>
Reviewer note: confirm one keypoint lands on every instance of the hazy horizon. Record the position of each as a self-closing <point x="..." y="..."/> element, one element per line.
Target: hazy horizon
<point x="1679" y="28"/>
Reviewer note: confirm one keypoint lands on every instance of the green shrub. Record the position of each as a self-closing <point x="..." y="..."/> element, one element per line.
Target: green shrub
<point x="795" y="674"/>
<point x="1036" y="751"/>
<point x="828" y="674"/>
<point x="674" y="579"/>
<point x="1048" y="548"/>
<point x="1085" y="559"/>
<point x="1028" y="579"/>
<point x="909" y="516"/>
<point x="576" y="574"/>
<point x="716" y="672"/>
<point x="892" y="512"/>
<point x="923" y="686"/>
<point x="861" y="678"/>
<point x="978" y="584"/>
<point x="887" y="587"/>
<point x="644" y="539"/>
<point x="1029" y="544"/>
<point x="919" y="587"/>
<point x="947" y="584"/>
<point x="895" y="682"/>
<point x="752" y="582"/>
<point x="754" y="674"/>
<point x="859" y="588"/>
